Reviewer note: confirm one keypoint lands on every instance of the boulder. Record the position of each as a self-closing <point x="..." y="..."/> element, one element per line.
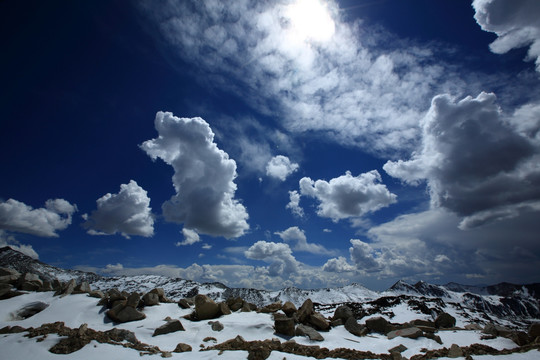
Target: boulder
<point x="235" y="304"/>
<point x="96" y="294"/>
<point x="9" y="279"/>
<point x="336" y="323"/>
<point x="29" y="282"/>
<point x="67" y="289"/>
<point x="312" y="334"/>
<point x="183" y="303"/>
<point x="289" y="309"/>
<point x="224" y="309"/>
<point x="169" y="327"/>
<point x="216" y="325"/>
<point x="411" y="333"/>
<point x="8" y="272"/>
<point x="284" y="326"/>
<point x="57" y="285"/>
<point x="119" y="335"/>
<point x="205" y="308"/>
<point x="271" y="308"/>
<point x="455" y="351"/>
<point x="181" y="347"/>
<point x="122" y="313"/>
<point x="82" y="288"/>
<point x="496" y="330"/>
<point x="29" y="310"/>
<point x="47" y="286"/>
<point x="245" y="307"/>
<point x="473" y="326"/>
<point x="378" y="325"/>
<point x="133" y="300"/>
<point x="399" y="349"/>
<point x="161" y="294"/>
<point x="319" y="322"/>
<point x="9" y="293"/>
<point x="534" y="330"/>
<point x="445" y="321"/>
<point x="343" y="312"/>
<point x="419" y="322"/>
<point x="114" y="294"/>
<point x="150" y="299"/>
<point x="352" y="326"/>
<point x="305" y="311"/>
<point x="520" y="338"/>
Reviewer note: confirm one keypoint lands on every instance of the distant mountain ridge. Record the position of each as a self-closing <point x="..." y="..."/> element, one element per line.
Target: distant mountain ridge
<point x="515" y="303"/>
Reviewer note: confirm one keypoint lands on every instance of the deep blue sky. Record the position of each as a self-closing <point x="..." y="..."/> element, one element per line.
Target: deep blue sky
<point x="441" y="187"/>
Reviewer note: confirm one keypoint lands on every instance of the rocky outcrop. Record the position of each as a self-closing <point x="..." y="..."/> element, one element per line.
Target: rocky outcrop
<point x="305" y="311"/>
<point x="411" y="333"/>
<point x="150" y="299"/>
<point x="379" y="325"/>
<point x="352" y="326"/>
<point x="289" y="309"/>
<point x="170" y="327"/>
<point x="312" y="334"/>
<point x="205" y="308"/>
<point x="445" y="321"/>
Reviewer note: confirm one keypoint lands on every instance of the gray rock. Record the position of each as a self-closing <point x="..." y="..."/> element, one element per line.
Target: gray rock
<point x="319" y="322"/>
<point x="400" y="348"/>
<point x="29" y="310"/>
<point x="473" y="326"/>
<point x="312" y="334"/>
<point x="245" y="307"/>
<point x="224" y="308"/>
<point x="68" y="288"/>
<point x="181" y="347"/>
<point x="29" y="282"/>
<point x="378" y="325"/>
<point x="455" y="351"/>
<point x="305" y="311"/>
<point x="520" y="338"/>
<point x="160" y="293"/>
<point x="205" y="308"/>
<point x="216" y="325"/>
<point x="96" y="294"/>
<point x="47" y="286"/>
<point x="114" y="294"/>
<point x="289" y="309"/>
<point x="445" y="321"/>
<point x="271" y="308"/>
<point x="9" y="279"/>
<point x="82" y="288"/>
<point x="169" y="327"/>
<point x="411" y="333"/>
<point x="8" y="272"/>
<point x="121" y="313"/>
<point x="183" y="303"/>
<point x="284" y="326"/>
<point x="534" y="330"/>
<point x="496" y="330"/>
<point x="150" y="299"/>
<point x="122" y="335"/>
<point x="343" y="312"/>
<point x="352" y="326"/>
<point x="133" y="300"/>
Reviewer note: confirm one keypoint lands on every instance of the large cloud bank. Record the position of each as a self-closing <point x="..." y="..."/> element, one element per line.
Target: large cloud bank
<point x="203" y="177"/>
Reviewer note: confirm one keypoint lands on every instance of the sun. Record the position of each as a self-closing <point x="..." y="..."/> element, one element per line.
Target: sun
<point x="310" y="20"/>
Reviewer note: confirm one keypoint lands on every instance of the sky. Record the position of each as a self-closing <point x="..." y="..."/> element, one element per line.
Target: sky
<point x="267" y="144"/>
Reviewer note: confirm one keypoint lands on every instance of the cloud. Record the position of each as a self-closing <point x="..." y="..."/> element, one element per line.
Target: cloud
<point x="294" y="235"/>
<point x="294" y="204"/>
<point x="9" y="240"/>
<point x="280" y="167"/>
<point x="362" y="256"/>
<point x="278" y="255"/>
<point x="348" y="196"/>
<point x="19" y="217"/>
<point x="475" y="163"/>
<point x="516" y="23"/>
<point x="252" y="49"/>
<point x="190" y="237"/>
<point x="127" y="213"/>
<point x="338" y="265"/>
<point x="203" y="177"/>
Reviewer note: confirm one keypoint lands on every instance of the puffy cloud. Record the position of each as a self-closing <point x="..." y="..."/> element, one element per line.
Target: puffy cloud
<point x="297" y="237"/>
<point x="475" y="163"/>
<point x="311" y="84"/>
<point x="127" y="212"/>
<point x="362" y="256"/>
<point x="338" y="265"/>
<point x="19" y="217"/>
<point x="294" y="204"/>
<point x="278" y="255"/>
<point x="190" y="237"/>
<point x="203" y="177"/>
<point x="280" y="167"/>
<point x="516" y="23"/>
<point x="9" y="240"/>
<point x="348" y="196"/>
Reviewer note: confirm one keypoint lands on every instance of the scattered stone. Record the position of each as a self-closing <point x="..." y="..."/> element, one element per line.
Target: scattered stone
<point x="67" y="289"/>
<point x="343" y="312"/>
<point x="520" y="338"/>
<point x="284" y="326"/>
<point x="169" y="327"/>
<point x="150" y="299"/>
<point x="96" y="294"/>
<point x="235" y="304"/>
<point x="209" y="338"/>
<point x="534" y="330"/>
<point x="336" y="323"/>
<point x="82" y="288"/>
<point x="216" y="325"/>
<point x="183" y="303"/>
<point x="455" y="351"/>
<point x="420" y="322"/>
<point x="433" y="337"/>
<point x="473" y="326"/>
<point x="114" y="295"/>
<point x="29" y="310"/>
<point x="161" y="295"/>
<point x="181" y="347"/>
<point x="445" y="321"/>
<point x="305" y="310"/>
<point x="400" y="348"/>
<point x="312" y="334"/>
<point x="133" y="300"/>
<point x="12" y="329"/>
<point x="497" y="330"/>
<point x="122" y="335"/>
<point x="205" y="308"/>
<point x="378" y="325"/>
<point x="411" y="333"/>
<point x="352" y="326"/>
<point x="9" y="279"/>
<point x="289" y="309"/>
<point x="319" y="322"/>
<point x="29" y="282"/>
<point x="271" y="308"/>
<point x="9" y="272"/>
<point x="224" y="309"/>
<point x="245" y="307"/>
<point x="122" y="313"/>
<point x="47" y="286"/>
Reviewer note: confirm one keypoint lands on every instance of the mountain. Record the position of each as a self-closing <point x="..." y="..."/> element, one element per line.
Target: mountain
<point x="501" y="303"/>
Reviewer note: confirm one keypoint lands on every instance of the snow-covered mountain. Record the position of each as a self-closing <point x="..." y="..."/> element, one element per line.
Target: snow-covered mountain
<point x="502" y="303"/>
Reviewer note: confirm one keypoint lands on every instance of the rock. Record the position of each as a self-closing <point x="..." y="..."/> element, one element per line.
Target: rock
<point x="150" y="299"/>
<point x="160" y="293"/>
<point x="9" y="272"/>
<point x="122" y="335"/>
<point x="343" y="312"/>
<point x="29" y="310"/>
<point x="288" y="308"/>
<point x="520" y="338"/>
<point x="411" y="333"/>
<point x="473" y="326"/>
<point x="57" y="285"/>
<point x="29" y="282"/>
<point x="224" y="309"/>
<point x="67" y="289"/>
<point x="169" y="327"/>
<point x="419" y="322"/>
<point x="312" y="334"/>
<point x="114" y="294"/>
<point x="183" y="303"/>
<point x="235" y="304"/>
<point x="378" y="325"/>
<point x="271" y="308"/>
<point x="205" y="308"/>
<point x="319" y="322"/>
<point x="455" y="351"/>
<point x="305" y="310"/>
<point x="47" y="286"/>
<point x="9" y="279"/>
<point x="445" y="321"/>
<point x="496" y="330"/>
<point x="336" y="323"/>
<point x="534" y="330"/>
<point x="96" y="294"/>
<point x="245" y="307"/>
<point x="352" y="326"/>
<point x="82" y="288"/>
<point x="433" y="337"/>
<point x="216" y="325"/>
<point x="12" y="329"/>
<point x="181" y="347"/>
<point x="284" y="326"/>
<point x="209" y="338"/>
<point x="133" y="300"/>
<point x="122" y="313"/>
<point x="10" y="293"/>
<point x="400" y="348"/>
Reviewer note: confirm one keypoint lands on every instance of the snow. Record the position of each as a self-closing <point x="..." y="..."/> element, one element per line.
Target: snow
<point x="75" y="310"/>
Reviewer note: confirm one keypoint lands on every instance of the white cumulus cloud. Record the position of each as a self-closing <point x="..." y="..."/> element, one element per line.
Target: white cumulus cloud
<point x="18" y="217"/>
<point x="190" y="237"/>
<point x="338" y="265"/>
<point x="127" y="213"/>
<point x="203" y="177"/>
<point x="280" y="167"/>
<point x="294" y="235"/>
<point x="348" y="196"/>
<point x="278" y="255"/>
<point x="294" y="204"/>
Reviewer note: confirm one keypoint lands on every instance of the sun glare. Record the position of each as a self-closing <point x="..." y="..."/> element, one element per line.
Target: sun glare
<point x="310" y="20"/>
